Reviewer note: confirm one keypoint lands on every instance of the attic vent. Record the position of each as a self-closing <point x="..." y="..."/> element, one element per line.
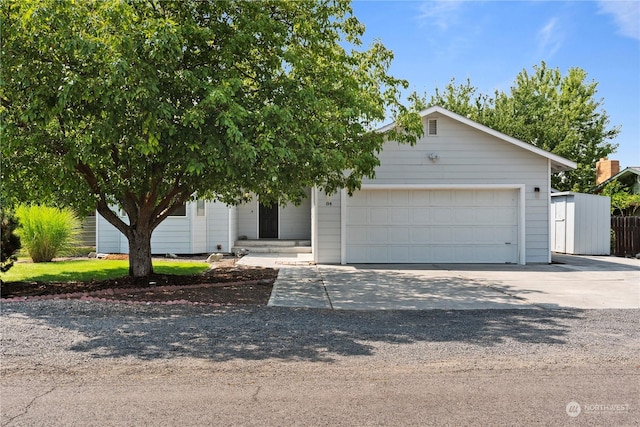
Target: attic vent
<point x="433" y="127"/>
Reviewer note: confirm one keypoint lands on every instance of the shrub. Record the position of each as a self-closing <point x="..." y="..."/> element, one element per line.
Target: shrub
<point x="10" y="240"/>
<point x="46" y="231"/>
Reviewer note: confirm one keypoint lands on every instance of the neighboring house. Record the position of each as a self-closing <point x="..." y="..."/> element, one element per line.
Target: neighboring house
<point x="464" y="193"/>
<point x="608" y="171"/>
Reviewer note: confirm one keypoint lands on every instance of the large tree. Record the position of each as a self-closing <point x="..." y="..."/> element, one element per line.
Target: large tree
<point x="557" y="113"/>
<point x="140" y="105"/>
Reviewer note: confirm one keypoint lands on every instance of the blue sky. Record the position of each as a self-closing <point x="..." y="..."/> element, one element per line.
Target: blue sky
<point x="490" y="42"/>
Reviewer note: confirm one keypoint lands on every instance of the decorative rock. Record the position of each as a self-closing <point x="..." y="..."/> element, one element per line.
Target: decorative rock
<point x="92" y="255"/>
<point x="102" y="256"/>
<point x="214" y="258"/>
<point x="174" y="256"/>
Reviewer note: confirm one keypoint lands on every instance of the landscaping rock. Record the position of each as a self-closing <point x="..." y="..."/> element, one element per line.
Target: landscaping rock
<point x="214" y="258"/>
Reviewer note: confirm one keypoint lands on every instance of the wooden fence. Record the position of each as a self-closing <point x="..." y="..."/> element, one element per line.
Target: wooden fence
<point x="625" y="240"/>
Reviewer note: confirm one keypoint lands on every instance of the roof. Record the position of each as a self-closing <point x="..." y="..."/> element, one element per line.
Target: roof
<point x="558" y="164"/>
<point x="631" y="170"/>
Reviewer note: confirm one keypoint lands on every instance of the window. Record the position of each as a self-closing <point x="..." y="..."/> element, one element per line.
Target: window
<point x="200" y="208"/>
<point x="180" y="210"/>
<point x="432" y="127"/>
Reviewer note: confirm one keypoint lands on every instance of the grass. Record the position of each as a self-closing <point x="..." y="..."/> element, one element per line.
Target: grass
<point x="94" y="269"/>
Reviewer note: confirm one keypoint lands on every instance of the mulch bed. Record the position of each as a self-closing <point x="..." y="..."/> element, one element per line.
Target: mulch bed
<point x="235" y="285"/>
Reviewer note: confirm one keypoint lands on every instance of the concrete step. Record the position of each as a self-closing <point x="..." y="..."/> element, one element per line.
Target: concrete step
<point x="273" y="246"/>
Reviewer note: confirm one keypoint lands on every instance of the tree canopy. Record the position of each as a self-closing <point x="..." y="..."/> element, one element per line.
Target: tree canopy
<point x="142" y="105"/>
<point x="557" y="113"/>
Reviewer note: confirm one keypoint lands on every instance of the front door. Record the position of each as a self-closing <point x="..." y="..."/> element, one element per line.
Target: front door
<point x="268" y="221"/>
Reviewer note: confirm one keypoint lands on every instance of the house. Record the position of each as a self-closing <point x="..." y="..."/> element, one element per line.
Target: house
<point x="464" y="193"/>
<point x="608" y="171"/>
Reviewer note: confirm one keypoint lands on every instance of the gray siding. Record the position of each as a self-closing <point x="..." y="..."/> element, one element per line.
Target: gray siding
<point x="173" y="235"/>
<point x="107" y="236"/>
<point x="87" y="233"/>
<point x="248" y="219"/>
<point x="217" y="227"/>
<point x="295" y="221"/>
<point x="329" y="228"/>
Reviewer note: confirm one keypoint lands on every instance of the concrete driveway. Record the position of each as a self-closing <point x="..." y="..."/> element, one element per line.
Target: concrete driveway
<point x="570" y="282"/>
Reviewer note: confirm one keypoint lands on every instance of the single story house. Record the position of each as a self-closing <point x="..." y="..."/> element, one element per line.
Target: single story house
<point x="464" y="193"/>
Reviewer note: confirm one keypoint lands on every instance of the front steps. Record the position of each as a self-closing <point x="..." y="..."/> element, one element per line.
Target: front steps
<point x="273" y="246"/>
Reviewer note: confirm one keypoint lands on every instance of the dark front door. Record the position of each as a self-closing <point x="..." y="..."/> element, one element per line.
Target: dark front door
<point x="268" y="221"/>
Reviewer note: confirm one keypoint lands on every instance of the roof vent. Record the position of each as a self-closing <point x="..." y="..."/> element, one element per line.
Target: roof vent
<point x="432" y="127"/>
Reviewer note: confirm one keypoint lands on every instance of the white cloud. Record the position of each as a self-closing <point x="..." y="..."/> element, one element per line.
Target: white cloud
<point x="626" y="15"/>
<point x="441" y="12"/>
<point x="549" y="38"/>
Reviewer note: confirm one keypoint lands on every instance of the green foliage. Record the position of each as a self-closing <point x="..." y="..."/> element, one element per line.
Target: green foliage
<point x="87" y="270"/>
<point x="557" y="113"/>
<point x="623" y="201"/>
<point x="10" y="240"/>
<point x="46" y="231"/>
<point x="144" y="104"/>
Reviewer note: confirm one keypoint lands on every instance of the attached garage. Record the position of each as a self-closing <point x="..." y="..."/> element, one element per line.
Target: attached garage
<point x="463" y="193"/>
<point x="443" y="225"/>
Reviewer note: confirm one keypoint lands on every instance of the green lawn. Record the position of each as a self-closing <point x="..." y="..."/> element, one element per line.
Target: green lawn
<point x="91" y="269"/>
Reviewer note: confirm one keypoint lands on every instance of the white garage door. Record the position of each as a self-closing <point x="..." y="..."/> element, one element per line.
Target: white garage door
<point x="424" y="226"/>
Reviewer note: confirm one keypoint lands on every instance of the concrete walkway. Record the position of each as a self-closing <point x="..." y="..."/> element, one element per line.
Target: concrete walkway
<point x="571" y="282"/>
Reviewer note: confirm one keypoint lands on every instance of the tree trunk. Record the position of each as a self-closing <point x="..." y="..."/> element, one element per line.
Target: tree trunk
<point x="140" y="252"/>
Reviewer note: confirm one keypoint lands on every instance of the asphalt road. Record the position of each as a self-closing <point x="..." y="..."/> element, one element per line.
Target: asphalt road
<point x="68" y="363"/>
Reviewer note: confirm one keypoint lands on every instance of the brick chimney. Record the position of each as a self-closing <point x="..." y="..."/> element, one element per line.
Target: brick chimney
<point x="605" y="169"/>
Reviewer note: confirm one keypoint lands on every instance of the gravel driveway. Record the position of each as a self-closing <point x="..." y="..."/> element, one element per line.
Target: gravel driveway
<point x="56" y="343"/>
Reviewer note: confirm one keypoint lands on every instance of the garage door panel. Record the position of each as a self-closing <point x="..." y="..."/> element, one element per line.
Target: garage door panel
<point x="356" y="214"/>
<point x="377" y="235"/>
<point x="463" y="198"/>
<point x="400" y="235"/>
<point x="398" y="254"/>
<point x="357" y="234"/>
<point x="441" y="216"/>
<point x="420" y="198"/>
<point x="441" y="235"/>
<point x="398" y="198"/>
<point x="422" y="226"/>
<point x="378" y="252"/>
<point x="441" y="198"/>
<point x="494" y="235"/>
<point x="379" y="216"/>
<point x="399" y="216"/>
<point x="420" y="216"/>
<point x="420" y="234"/>
<point x="377" y="198"/>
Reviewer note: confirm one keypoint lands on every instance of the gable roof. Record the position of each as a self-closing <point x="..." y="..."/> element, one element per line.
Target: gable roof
<point x="628" y="171"/>
<point x="558" y="164"/>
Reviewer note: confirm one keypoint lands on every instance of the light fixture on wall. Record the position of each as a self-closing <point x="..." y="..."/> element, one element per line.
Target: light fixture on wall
<point x="433" y="157"/>
<point x="536" y="189"/>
